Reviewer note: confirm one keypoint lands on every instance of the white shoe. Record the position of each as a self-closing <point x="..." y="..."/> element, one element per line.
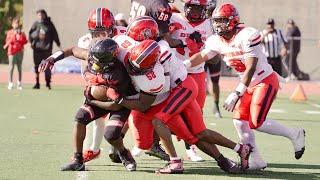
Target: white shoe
<point x="136" y="152"/>
<point x="192" y="155"/>
<point x="256" y="164"/>
<point x="299" y="143"/>
<point x="10" y="86"/>
<point x="19" y="86"/>
<point x="217" y="115"/>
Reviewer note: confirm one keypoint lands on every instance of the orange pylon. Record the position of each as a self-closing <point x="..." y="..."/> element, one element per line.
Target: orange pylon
<point x="298" y="94"/>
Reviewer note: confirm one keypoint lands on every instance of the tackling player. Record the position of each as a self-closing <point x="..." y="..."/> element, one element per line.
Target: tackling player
<point x="253" y="97"/>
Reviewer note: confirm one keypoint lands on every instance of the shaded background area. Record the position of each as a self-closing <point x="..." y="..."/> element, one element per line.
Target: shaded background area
<point x="70" y="16"/>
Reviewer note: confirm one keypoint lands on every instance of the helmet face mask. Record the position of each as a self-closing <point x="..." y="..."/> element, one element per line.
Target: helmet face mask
<point x="225" y="19"/>
<point x="195" y="11"/>
<point x="220" y="25"/>
<point x="102" y="55"/>
<point x="101" y="20"/>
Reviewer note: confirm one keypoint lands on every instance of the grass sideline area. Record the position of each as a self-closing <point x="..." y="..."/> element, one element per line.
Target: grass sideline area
<point x="36" y="140"/>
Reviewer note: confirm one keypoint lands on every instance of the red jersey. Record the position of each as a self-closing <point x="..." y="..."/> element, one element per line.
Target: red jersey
<point x="15" y="41"/>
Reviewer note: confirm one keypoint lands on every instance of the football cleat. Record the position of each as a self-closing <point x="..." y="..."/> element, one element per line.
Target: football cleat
<point x="192" y="155"/>
<point x="157" y="151"/>
<point x="229" y="166"/>
<point x="113" y="155"/>
<point x="173" y="167"/>
<point x="127" y="160"/>
<point x="89" y="155"/>
<point x="75" y="165"/>
<point x="244" y="153"/>
<point x="299" y="143"/>
<point x="256" y="164"/>
<point x="135" y="151"/>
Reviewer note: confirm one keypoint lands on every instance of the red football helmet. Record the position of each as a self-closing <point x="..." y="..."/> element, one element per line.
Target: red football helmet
<point x="101" y="19"/>
<point x="225" y="19"/>
<point x="142" y="28"/>
<point x="143" y="57"/>
<point x="195" y="10"/>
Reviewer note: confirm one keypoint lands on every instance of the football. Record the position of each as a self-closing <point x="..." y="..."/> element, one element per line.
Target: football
<point x="99" y="93"/>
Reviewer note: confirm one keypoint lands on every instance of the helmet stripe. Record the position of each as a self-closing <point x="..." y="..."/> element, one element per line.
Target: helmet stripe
<point x="144" y="54"/>
<point x="99" y="15"/>
<point x="138" y="19"/>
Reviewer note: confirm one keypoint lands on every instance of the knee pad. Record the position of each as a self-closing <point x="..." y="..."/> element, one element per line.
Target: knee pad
<point x="113" y="130"/>
<point x="83" y="117"/>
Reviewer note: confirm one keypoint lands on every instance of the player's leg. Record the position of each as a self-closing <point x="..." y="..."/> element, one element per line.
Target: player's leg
<point x="214" y="73"/>
<point x="262" y="99"/>
<point x="36" y="60"/>
<point x="97" y="136"/>
<point x="194" y="120"/>
<point x="11" y="68"/>
<point x="84" y="116"/>
<point x="112" y="134"/>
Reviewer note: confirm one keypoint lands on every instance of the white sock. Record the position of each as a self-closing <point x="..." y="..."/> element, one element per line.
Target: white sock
<point x="246" y="136"/>
<point x="174" y="158"/>
<point x="97" y="134"/>
<point x="236" y="148"/>
<point x="86" y="142"/>
<point x="275" y="128"/>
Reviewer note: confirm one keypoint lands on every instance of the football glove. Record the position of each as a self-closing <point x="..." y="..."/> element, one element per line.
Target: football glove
<point x="114" y="95"/>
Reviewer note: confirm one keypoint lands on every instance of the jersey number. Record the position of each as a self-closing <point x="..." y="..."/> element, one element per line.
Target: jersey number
<point x="137" y="10"/>
<point x="126" y="44"/>
<point x="150" y="75"/>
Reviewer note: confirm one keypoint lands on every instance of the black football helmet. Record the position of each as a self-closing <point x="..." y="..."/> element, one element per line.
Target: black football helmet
<point x="103" y="55"/>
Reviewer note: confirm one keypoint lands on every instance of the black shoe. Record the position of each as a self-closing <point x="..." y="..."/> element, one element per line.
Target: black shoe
<point x="113" y="155"/>
<point x="75" y="165"/>
<point x="229" y="166"/>
<point x="48" y="86"/>
<point x="157" y="151"/>
<point x="36" y="86"/>
<point x="127" y="160"/>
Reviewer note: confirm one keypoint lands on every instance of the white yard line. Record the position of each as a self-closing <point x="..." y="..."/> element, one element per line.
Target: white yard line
<point x="315" y="105"/>
<point x="311" y="112"/>
<point x="277" y="111"/>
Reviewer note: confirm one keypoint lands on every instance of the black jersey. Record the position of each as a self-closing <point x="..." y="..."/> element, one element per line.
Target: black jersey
<point x="116" y="77"/>
<point x="159" y="10"/>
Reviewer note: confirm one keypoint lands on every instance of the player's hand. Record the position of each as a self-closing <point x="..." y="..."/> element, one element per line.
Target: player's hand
<point x="192" y="45"/>
<point x="231" y="101"/>
<point x="46" y="64"/>
<point x="114" y="95"/>
<point x="87" y="95"/>
<point x="196" y="36"/>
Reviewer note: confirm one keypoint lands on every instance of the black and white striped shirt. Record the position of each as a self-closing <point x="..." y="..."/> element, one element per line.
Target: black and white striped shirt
<point x="273" y="42"/>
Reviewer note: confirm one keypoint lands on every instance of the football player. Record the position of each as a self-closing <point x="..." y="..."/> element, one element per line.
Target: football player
<point x="100" y="24"/>
<point x="253" y="97"/>
<point x="192" y="28"/>
<point x="146" y="28"/>
<point x="103" y="68"/>
<point x="160" y="11"/>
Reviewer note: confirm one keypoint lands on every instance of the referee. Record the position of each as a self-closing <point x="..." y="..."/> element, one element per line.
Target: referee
<point x="274" y="43"/>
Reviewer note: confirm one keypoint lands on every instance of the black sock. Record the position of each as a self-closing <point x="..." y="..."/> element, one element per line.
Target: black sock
<point x="217" y="105"/>
<point x="187" y="145"/>
<point x="78" y="156"/>
<point x="220" y="158"/>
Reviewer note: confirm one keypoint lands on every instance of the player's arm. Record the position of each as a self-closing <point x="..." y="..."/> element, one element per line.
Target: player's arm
<point x="251" y="64"/>
<point x="111" y="106"/>
<point x="201" y="57"/>
<point x="141" y="104"/>
<point x="77" y="52"/>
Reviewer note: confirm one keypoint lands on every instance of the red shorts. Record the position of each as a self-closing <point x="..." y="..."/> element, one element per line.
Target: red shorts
<point x="182" y="101"/>
<point x="254" y="105"/>
<point x="200" y="79"/>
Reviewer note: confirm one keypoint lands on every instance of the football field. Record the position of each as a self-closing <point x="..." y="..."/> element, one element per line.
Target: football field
<point x="36" y="140"/>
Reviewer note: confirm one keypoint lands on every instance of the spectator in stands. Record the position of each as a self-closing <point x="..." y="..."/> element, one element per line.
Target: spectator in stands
<point x="120" y="20"/>
<point x="294" y="42"/>
<point x="41" y="36"/>
<point x="15" y="40"/>
<point x="274" y="45"/>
